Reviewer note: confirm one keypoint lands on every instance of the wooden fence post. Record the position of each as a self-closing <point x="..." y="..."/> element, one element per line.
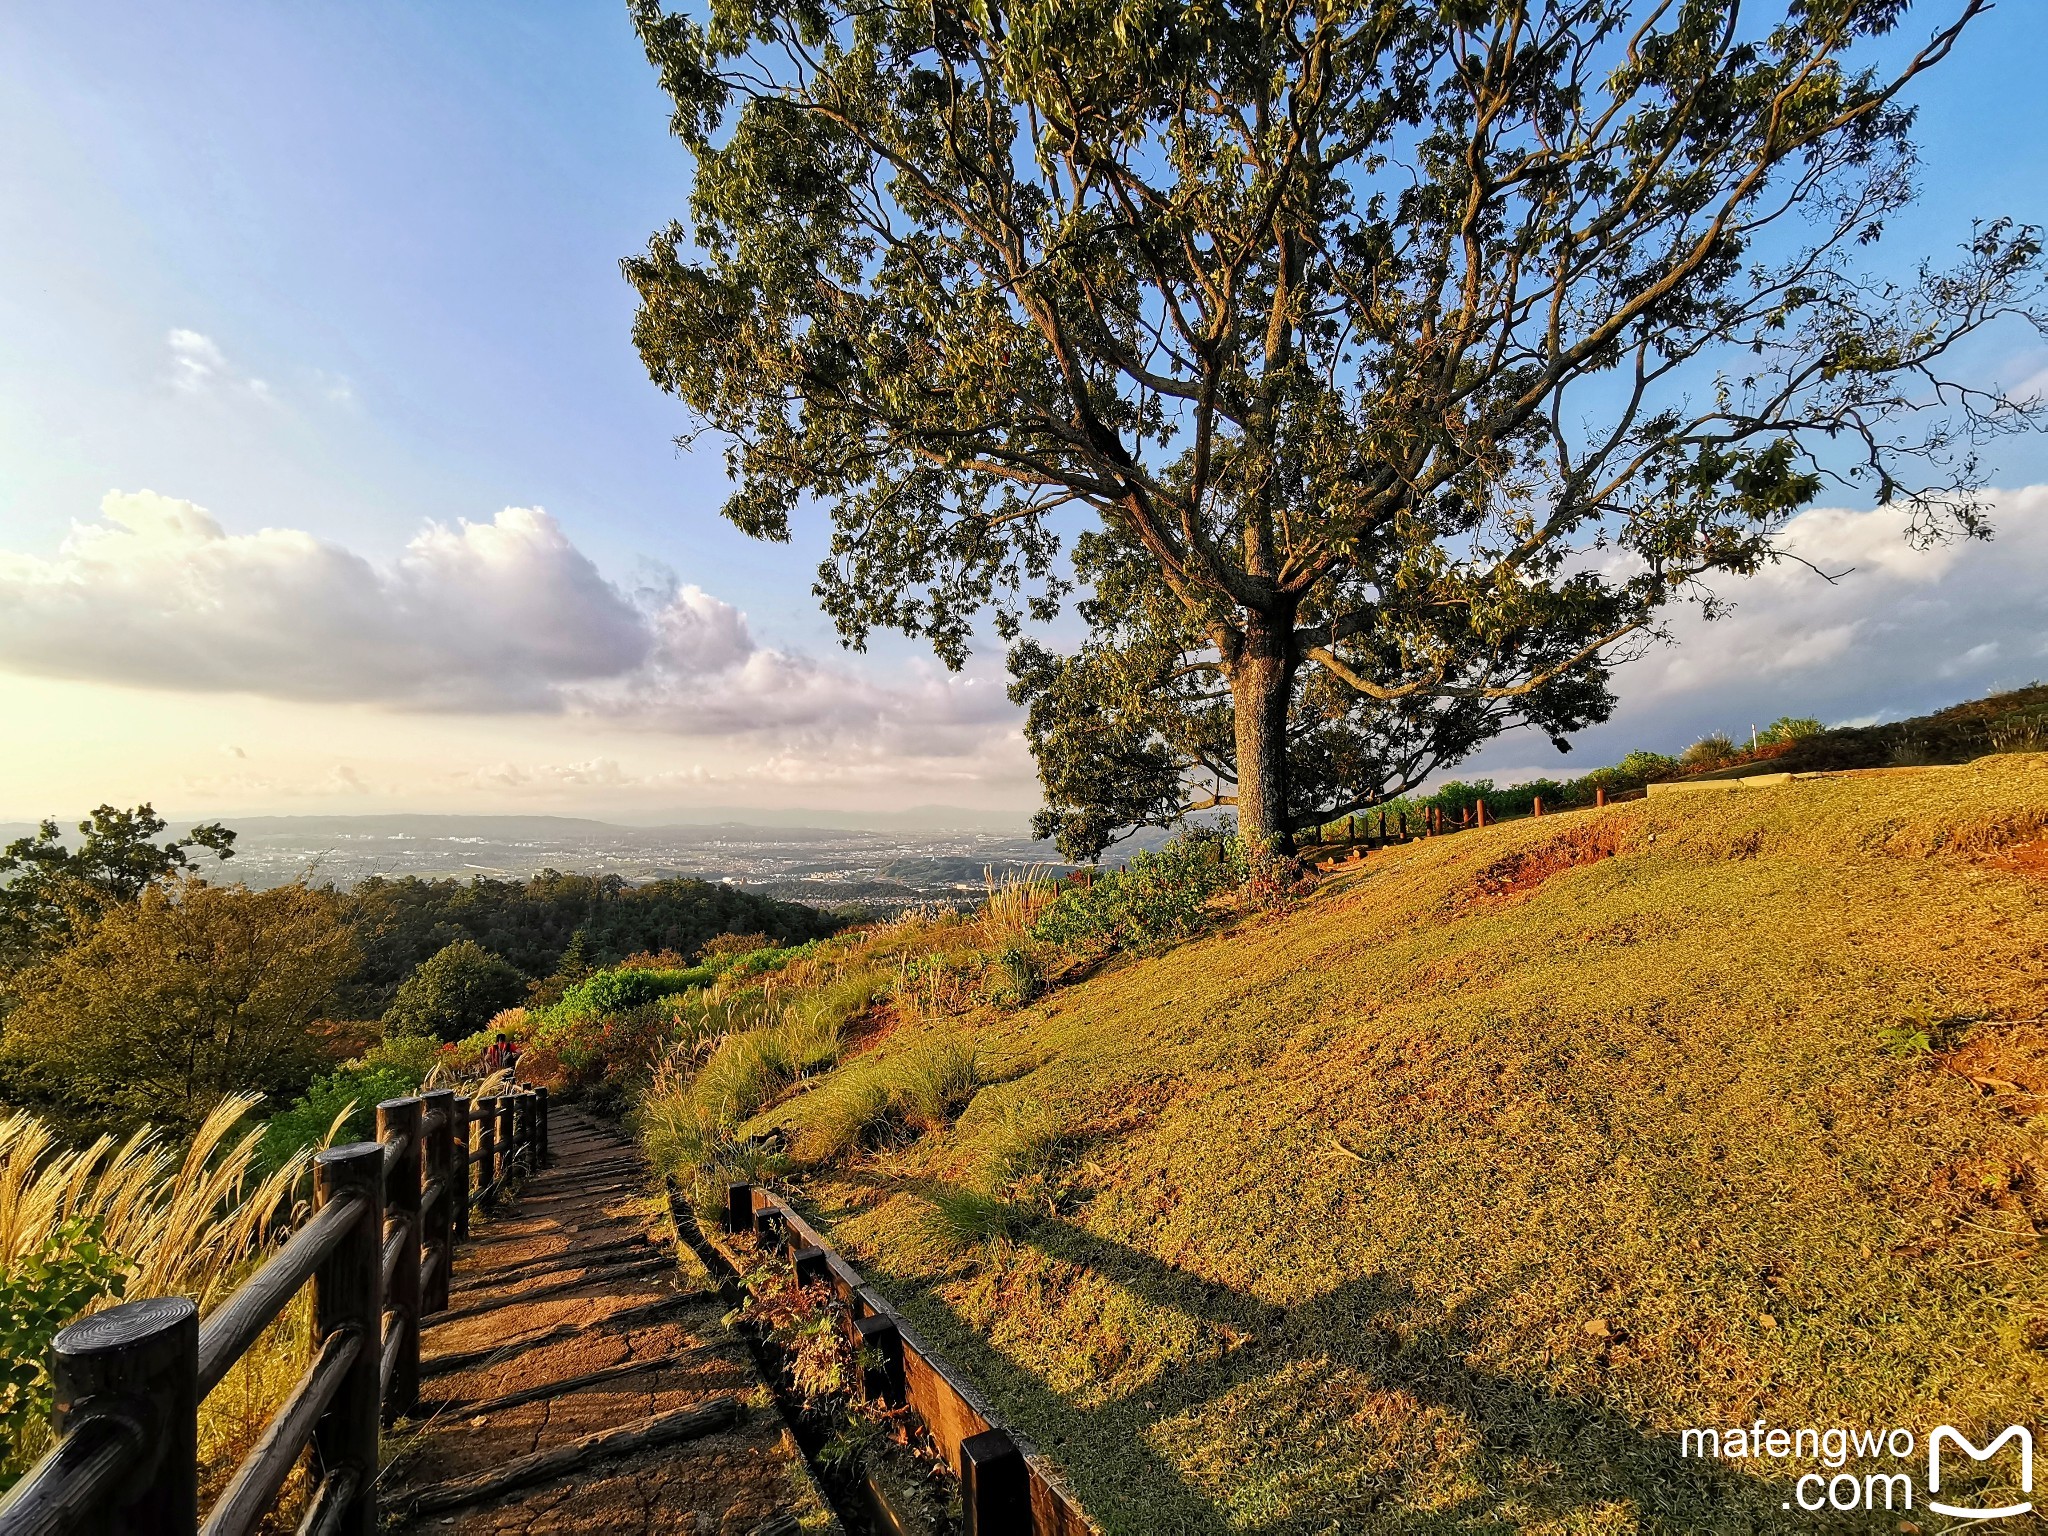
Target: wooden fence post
<point x="346" y="1295"/>
<point x="1536" y="806"/>
<point x="398" y="1124"/>
<point x="486" y="1115"/>
<point x="508" y="1131"/>
<point x="1479" y="814"/>
<point x="437" y="1220"/>
<point x="739" y="1207"/>
<point x="458" y="1120"/>
<point x="541" y="1113"/>
<point x="139" y="1361"/>
<point x="995" y="1489"/>
<point x="1599" y="795"/>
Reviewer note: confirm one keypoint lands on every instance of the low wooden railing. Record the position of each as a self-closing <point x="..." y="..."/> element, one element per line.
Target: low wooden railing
<point x="377" y="1251"/>
<point x="1007" y="1486"/>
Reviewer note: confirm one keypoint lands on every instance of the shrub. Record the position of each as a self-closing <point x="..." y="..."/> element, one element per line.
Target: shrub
<point x="39" y="1293"/>
<point x="1787" y="728"/>
<point x="618" y="990"/>
<point x="1159" y="896"/>
<point x="453" y="992"/>
<point x="343" y="1104"/>
<point x="1711" y="751"/>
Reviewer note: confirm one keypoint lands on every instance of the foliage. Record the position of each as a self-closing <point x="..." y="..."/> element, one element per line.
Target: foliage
<point x="1788" y="728"/>
<point x="342" y="1106"/>
<point x="40" y="1292"/>
<point x="53" y="892"/>
<point x="1711" y="751"/>
<point x="553" y="922"/>
<point x="1406" y="359"/>
<point x="188" y="993"/>
<point x="1159" y="896"/>
<point x="454" y="992"/>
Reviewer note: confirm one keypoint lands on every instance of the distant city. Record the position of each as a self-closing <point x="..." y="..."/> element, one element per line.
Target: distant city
<point x="919" y="858"/>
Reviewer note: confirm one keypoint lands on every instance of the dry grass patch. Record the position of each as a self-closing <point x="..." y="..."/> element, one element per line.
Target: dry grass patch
<point x="1412" y="1213"/>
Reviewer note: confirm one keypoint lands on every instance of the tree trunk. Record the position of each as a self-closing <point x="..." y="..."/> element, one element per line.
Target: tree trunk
<point x="1261" y="688"/>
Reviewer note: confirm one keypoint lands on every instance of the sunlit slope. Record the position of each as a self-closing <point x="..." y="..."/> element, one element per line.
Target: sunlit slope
<point x="1446" y="1198"/>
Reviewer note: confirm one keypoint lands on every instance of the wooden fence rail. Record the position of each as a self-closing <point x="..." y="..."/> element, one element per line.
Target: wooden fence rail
<point x="1007" y="1487"/>
<point x="377" y="1252"/>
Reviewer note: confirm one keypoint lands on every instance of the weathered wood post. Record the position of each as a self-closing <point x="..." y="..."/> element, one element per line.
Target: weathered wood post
<point x="1404" y="826"/>
<point x="541" y="1110"/>
<point x="1479" y="814"/>
<point x="508" y="1131"/>
<point x="878" y="1346"/>
<point x="739" y="1207"/>
<point x="1599" y="795"/>
<point x="810" y="1266"/>
<point x="458" y="1120"/>
<point x="438" y="1201"/>
<point x="138" y="1363"/>
<point x="398" y="1127"/>
<point x="995" y="1489"/>
<point x="347" y="1296"/>
<point x="1536" y="806"/>
<point x="485" y="1113"/>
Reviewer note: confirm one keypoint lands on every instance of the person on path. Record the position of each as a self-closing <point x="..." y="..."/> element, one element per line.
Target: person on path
<point x="502" y="1056"/>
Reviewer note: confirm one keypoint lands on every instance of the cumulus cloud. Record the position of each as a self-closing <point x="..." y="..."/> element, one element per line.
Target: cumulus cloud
<point x="471" y="617"/>
<point x="1899" y="631"/>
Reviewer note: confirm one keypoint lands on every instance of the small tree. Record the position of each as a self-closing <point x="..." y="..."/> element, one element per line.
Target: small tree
<point x="187" y="993"/>
<point x="455" y="992"/>
<point x="1411" y="356"/>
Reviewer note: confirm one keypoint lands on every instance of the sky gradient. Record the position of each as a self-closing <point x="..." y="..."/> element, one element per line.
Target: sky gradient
<point x="330" y="481"/>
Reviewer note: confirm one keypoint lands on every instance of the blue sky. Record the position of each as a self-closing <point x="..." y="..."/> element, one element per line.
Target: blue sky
<point x="343" y="272"/>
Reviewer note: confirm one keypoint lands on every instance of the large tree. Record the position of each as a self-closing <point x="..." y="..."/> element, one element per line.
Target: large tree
<point x="186" y="993"/>
<point x="1410" y="355"/>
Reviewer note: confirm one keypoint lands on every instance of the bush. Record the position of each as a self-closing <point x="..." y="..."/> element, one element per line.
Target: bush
<point x="392" y="1070"/>
<point x="617" y="991"/>
<point x="454" y="992"/>
<point x="1786" y="729"/>
<point x="1159" y="896"/>
<point x="1712" y="751"/>
<point x="40" y="1293"/>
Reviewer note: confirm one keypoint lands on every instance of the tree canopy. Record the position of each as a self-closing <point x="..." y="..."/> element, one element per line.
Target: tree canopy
<point x="454" y="992"/>
<point x="48" y="887"/>
<point x="171" y="1000"/>
<point x="1405" y="358"/>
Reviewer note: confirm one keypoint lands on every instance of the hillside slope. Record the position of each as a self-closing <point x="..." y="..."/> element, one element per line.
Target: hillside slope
<point x="1445" y="1199"/>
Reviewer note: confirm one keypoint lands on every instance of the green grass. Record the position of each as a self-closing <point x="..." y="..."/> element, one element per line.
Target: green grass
<point x="1443" y="1201"/>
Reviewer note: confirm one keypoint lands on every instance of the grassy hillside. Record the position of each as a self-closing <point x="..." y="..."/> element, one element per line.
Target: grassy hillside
<point x="1444" y="1199"/>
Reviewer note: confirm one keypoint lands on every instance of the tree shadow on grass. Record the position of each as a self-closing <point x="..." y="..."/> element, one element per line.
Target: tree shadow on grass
<point x="1242" y="1441"/>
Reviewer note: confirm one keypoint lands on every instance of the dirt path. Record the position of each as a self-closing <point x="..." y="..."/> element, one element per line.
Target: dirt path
<point x="572" y="1316"/>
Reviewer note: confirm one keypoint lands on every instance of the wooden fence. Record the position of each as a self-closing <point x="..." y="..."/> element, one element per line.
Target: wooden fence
<point x="1385" y="829"/>
<point x="377" y="1252"/>
<point x="1007" y="1488"/>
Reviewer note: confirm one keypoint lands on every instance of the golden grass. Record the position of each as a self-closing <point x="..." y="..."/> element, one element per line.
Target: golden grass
<point x="1446" y="1199"/>
<point x="188" y="1222"/>
<point x="1014" y="904"/>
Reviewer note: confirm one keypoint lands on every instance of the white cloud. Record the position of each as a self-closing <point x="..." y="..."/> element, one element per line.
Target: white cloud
<point x="1899" y="632"/>
<point x="499" y="616"/>
<point x="198" y="366"/>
